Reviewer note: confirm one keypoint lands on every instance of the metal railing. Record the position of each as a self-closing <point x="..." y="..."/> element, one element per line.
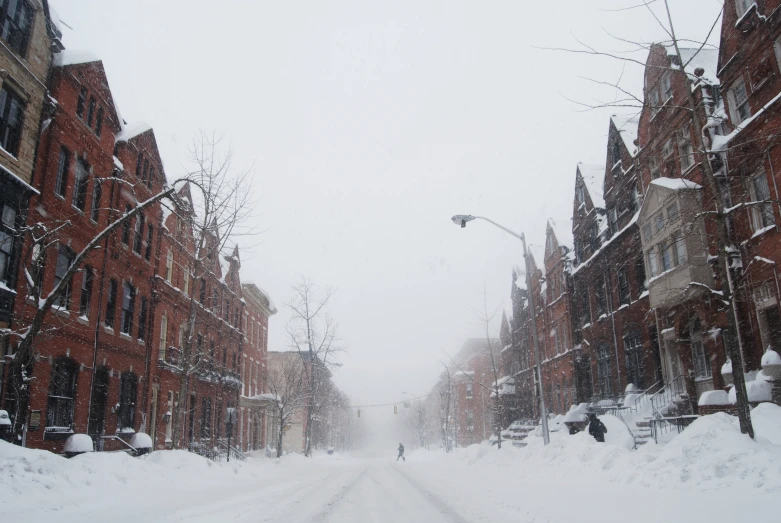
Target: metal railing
<point x="672" y="394"/>
<point x="231" y="451"/>
<point x="661" y="426"/>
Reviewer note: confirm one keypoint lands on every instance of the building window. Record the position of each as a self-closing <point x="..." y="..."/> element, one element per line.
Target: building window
<point x="11" y="120"/>
<point x="761" y="213"/>
<point x="97" y="194"/>
<point x="653" y="165"/>
<point x="633" y="346"/>
<point x="603" y="369"/>
<point x="640" y="274"/>
<point x="658" y="222"/>
<point x="585" y="309"/>
<point x="653" y="102"/>
<point x="128" y="388"/>
<point x="126" y="227"/>
<point x="593" y="237"/>
<point x="623" y="287"/>
<point x="667" y="148"/>
<point x="86" y="291"/>
<point x="672" y="212"/>
<point x="702" y="368"/>
<point x="163" y="336"/>
<point x="111" y="303"/>
<point x="653" y="263"/>
<point x="612" y="220"/>
<point x="142" y="313"/>
<point x="647" y="232"/>
<point x="7" y="241"/>
<point x="580" y="194"/>
<point x="206" y="418"/>
<point x="169" y="266"/>
<point x="679" y="248"/>
<point x="138" y="233"/>
<point x="61" y="185"/>
<point x="80" y="185"/>
<point x="667" y="87"/>
<point x="741" y="6"/>
<point x="685" y="149"/>
<point x="150" y="177"/>
<point x="62" y="391"/>
<point x="150" y="231"/>
<point x="99" y="122"/>
<point x="16" y="21"/>
<point x="203" y="292"/>
<point x="739" y="98"/>
<point x="187" y="282"/>
<point x="64" y="261"/>
<point x="128" y="304"/>
<point x="80" y="105"/>
<point x="615" y="153"/>
<point x="601" y="295"/>
<point x="90" y="111"/>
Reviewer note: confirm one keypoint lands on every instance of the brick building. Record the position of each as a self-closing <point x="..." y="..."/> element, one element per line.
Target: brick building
<point x="109" y="359"/>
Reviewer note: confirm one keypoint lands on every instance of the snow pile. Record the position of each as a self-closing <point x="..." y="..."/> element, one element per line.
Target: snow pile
<point x="78" y="443"/>
<point x="141" y="440"/>
<point x="711" y="454"/>
<point x="770" y="357"/>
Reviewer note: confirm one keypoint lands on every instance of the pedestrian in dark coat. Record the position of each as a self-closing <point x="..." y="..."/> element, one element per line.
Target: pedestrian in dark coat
<point x="401" y="453"/>
<point x="596" y="428"/>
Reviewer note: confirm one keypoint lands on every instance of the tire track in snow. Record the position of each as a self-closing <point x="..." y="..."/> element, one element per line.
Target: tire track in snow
<point x="442" y="506"/>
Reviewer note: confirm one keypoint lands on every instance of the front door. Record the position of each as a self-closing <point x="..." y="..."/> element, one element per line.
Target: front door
<point x="97" y="415"/>
<point x="673" y="360"/>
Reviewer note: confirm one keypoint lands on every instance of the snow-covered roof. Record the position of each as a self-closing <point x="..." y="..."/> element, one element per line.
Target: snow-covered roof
<point x="73" y="57"/>
<point x="130" y="131"/>
<point x="594" y="178"/>
<point x="707" y="59"/>
<point x="563" y="232"/>
<point x="627" y="126"/>
<point x="675" y="184"/>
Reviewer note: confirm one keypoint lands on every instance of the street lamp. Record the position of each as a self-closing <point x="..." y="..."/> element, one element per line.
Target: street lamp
<point x="462" y="220"/>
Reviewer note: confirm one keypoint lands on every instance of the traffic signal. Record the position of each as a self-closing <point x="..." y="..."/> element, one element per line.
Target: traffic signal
<point x="395" y="409"/>
<point x="359" y="413"/>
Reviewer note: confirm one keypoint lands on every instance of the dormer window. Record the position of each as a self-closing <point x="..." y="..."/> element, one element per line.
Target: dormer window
<point x="580" y="195"/>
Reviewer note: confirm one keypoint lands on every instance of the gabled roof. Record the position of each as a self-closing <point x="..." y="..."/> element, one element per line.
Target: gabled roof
<point x="627" y="126"/>
<point x="594" y="179"/>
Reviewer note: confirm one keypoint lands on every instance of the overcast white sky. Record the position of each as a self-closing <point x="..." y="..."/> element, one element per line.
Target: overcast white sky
<point x="369" y="124"/>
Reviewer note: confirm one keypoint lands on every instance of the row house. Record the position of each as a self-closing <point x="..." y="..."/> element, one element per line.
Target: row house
<point x="254" y="423"/>
<point x="109" y="361"/>
<point x="642" y="289"/>
<point x="30" y="36"/>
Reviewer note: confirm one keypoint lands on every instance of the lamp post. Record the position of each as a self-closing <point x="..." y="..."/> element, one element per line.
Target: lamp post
<point x="462" y="220"/>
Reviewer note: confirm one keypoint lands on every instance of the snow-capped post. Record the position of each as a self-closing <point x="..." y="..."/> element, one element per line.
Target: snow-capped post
<point x="40" y="239"/>
<point x="462" y="220"/>
<point x="210" y="219"/>
<point x="312" y="333"/>
<point x="726" y="256"/>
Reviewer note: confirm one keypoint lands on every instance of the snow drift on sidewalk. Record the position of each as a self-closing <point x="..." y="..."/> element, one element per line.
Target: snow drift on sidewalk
<point x="711" y="454"/>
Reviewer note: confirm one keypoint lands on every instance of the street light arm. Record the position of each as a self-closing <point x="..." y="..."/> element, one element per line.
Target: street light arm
<point x="502" y="227"/>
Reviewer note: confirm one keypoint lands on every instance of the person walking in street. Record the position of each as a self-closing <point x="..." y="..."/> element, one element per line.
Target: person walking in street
<point x="401" y="453"/>
<point x="596" y="428"/>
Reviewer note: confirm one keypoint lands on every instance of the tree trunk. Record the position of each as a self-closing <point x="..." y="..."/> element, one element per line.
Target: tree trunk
<point x="279" y="436"/>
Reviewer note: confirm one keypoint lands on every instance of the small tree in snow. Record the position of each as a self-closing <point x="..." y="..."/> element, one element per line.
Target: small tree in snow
<point x="286" y="381"/>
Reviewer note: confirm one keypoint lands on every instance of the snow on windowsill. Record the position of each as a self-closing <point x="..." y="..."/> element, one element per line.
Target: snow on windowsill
<point x="720" y="143"/>
<point x="760" y="232"/>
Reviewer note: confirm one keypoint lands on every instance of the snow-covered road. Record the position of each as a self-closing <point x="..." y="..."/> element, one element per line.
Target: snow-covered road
<point x="710" y="473"/>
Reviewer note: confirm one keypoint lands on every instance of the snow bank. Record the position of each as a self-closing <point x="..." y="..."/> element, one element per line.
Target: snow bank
<point x="711" y="454"/>
<point x="141" y="440"/>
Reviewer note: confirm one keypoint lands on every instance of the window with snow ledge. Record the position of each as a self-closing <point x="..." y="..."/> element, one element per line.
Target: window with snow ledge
<point x="12" y="108"/>
<point x="16" y="19"/>
<point x="738" y="100"/>
<point x="761" y="213"/>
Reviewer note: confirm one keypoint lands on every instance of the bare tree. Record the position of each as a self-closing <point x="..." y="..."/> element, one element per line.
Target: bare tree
<point x="216" y="216"/>
<point x="286" y="380"/>
<point x="446" y="396"/>
<point x="494" y="388"/>
<point x="703" y="120"/>
<point x="312" y="333"/>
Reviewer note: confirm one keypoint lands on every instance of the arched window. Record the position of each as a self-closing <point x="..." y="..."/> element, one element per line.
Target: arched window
<point x="633" y="347"/>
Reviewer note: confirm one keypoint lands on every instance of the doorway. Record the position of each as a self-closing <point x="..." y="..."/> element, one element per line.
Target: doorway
<point x="97" y="415"/>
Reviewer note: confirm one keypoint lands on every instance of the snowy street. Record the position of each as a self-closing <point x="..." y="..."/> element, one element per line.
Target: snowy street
<point x="689" y="479"/>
